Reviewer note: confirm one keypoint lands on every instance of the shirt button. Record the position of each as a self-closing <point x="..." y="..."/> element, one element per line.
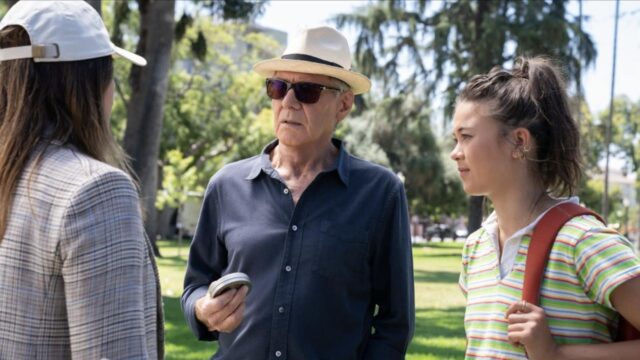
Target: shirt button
<point x="281" y="309"/>
<point x="294" y="228"/>
<point x="285" y="191"/>
<point x="278" y="353"/>
<point x="287" y="268"/>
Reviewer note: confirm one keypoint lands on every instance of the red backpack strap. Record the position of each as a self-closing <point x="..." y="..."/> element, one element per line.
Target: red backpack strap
<point x="544" y="234"/>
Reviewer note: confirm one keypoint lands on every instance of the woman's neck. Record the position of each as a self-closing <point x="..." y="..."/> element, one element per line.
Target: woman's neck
<point x="519" y="208"/>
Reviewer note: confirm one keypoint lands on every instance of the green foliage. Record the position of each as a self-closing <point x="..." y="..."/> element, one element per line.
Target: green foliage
<point x="120" y="13"/>
<point x="124" y="24"/>
<point x="591" y="196"/>
<point x="223" y="10"/>
<point x="625" y="138"/>
<point x="396" y="133"/>
<point x="415" y="50"/>
<point x="624" y="145"/>
<point x="179" y="178"/>
<point x="215" y="109"/>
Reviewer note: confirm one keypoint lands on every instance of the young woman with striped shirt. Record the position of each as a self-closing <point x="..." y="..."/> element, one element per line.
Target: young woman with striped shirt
<point x="518" y="145"/>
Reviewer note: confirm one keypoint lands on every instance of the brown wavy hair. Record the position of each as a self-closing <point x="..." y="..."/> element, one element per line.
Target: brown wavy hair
<point x="532" y="95"/>
<point x="44" y="102"/>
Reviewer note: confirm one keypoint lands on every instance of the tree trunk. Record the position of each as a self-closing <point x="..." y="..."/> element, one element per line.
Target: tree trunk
<point x="145" y="109"/>
<point x="481" y="63"/>
<point x="475" y="213"/>
<point x="96" y="4"/>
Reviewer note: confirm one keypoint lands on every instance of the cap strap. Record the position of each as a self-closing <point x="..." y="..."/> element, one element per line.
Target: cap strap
<point x="310" y="58"/>
<point x="30" y="51"/>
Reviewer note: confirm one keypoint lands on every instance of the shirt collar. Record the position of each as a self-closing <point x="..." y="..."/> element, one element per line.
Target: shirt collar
<point x="262" y="163"/>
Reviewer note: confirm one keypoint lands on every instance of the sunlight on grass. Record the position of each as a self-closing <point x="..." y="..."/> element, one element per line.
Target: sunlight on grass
<point x="439" y="304"/>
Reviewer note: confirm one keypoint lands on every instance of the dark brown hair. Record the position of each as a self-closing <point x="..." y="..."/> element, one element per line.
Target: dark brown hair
<point x="532" y="95"/>
<point x="45" y="102"/>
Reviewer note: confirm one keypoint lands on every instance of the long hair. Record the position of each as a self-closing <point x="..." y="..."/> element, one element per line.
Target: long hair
<point x="533" y="95"/>
<point x="44" y="102"/>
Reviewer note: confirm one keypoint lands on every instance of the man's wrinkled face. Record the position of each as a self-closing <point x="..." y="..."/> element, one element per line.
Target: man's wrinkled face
<point x="301" y="124"/>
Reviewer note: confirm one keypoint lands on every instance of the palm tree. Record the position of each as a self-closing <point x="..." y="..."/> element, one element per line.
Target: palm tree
<point x="445" y="44"/>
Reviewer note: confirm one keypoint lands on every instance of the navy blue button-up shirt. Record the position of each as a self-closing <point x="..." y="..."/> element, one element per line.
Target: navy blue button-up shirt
<point x="332" y="275"/>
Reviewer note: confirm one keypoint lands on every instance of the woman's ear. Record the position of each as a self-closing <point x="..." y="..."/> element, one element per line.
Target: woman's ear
<point x="522" y="139"/>
<point x="522" y="142"/>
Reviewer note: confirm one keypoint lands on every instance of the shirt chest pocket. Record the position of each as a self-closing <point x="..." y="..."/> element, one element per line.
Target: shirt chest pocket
<point x="340" y="251"/>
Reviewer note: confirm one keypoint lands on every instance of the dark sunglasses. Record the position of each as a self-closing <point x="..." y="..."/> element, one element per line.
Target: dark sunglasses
<point x="305" y="92"/>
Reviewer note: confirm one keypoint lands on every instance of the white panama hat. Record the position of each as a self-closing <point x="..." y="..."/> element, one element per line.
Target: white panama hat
<point x="61" y="31"/>
<point x="318" y="50"/>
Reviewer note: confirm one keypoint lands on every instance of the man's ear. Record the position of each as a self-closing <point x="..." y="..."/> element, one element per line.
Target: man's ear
<point x="345" y="103"/>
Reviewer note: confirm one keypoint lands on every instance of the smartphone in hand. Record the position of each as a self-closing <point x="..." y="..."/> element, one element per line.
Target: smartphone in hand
<point x="229" y="281"/>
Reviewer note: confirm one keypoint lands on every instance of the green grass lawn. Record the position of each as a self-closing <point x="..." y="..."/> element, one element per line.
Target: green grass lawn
<point x="439" y="304"/>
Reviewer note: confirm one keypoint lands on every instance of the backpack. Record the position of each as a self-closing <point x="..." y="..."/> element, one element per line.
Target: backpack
<point x="544" y="234"/>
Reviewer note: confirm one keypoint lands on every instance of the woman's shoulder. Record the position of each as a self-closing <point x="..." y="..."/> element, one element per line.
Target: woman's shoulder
<point x="586" y="234"/>
<point x="584" y="226"/>
<point x="71" y="166"/>
<point x="61" y="174"/>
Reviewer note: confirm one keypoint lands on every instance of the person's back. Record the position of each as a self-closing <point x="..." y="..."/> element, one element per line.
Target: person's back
<point x="72" y="218"/>
<point x="77" y="275"/>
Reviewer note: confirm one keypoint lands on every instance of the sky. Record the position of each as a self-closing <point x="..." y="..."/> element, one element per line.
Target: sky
<point x="289" y="16"/>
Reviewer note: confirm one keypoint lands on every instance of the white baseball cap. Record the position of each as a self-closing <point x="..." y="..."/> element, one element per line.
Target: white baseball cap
<point x="61" y="31"/>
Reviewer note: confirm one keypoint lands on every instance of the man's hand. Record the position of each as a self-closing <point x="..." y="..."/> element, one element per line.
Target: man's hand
<point x="528" y="327"/>
<point x="224" y="312"/>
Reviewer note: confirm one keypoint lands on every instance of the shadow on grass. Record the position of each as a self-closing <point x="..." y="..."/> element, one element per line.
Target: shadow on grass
<point x="180" y="343"/>
<point x="435" y="276"/>
<point x="439" y="333"/>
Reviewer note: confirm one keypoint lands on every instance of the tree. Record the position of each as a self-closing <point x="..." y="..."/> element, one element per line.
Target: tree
<point x="148" y="85"/>
<point x="145" y="107"/>
<point x="625" y="126"/>
<point x="395" y="132"/>
<point x="216" y="110"/>
<point x="449" y="43"/>
<point x="624" y="146"/>
<point x="179" y="181"/>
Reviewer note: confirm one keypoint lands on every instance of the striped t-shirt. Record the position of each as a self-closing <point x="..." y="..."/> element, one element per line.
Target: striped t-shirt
<point x="587" y="262"/>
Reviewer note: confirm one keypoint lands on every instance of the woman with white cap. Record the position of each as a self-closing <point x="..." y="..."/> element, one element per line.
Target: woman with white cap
<point x="77" y="276"/>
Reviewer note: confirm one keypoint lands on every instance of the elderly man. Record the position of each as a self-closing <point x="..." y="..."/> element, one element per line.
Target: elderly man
<point x="324" y="236"/>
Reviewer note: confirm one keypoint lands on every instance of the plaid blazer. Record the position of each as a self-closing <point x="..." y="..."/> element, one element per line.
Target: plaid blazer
<point x="77" y="276"/>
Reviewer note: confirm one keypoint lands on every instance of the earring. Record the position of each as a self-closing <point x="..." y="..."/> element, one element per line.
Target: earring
<point x="518" y="154"/>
